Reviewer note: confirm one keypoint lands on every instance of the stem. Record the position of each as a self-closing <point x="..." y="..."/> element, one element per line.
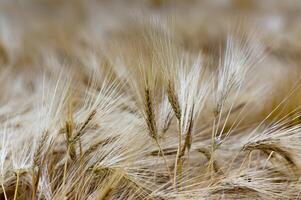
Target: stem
<point x="17" y="185"/>
<point x="3" y="190"/>
<point x="33" y="185"/>
<point x="65" y="166"/>
<point x="213" y="142"/>
<point x="165" y="161"/>
<point x="177" y="156"/>
<point x="65" y="171"/>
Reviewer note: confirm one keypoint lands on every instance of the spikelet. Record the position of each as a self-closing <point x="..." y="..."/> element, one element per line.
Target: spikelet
<point x="240" y="56"/>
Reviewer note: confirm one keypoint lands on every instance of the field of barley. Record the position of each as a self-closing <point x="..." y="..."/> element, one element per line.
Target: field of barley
<point x="150" y="99"/>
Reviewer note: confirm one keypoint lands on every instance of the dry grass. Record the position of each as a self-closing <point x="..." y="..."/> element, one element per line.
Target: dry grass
<point x="182" y="100"/>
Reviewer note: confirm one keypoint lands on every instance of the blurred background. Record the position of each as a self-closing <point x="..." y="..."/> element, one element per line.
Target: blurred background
<point x="199" y="23"/>
<point x="33" y="31"/>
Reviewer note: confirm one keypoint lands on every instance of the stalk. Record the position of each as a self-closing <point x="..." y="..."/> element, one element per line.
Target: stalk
<point x="17" y="186"/>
